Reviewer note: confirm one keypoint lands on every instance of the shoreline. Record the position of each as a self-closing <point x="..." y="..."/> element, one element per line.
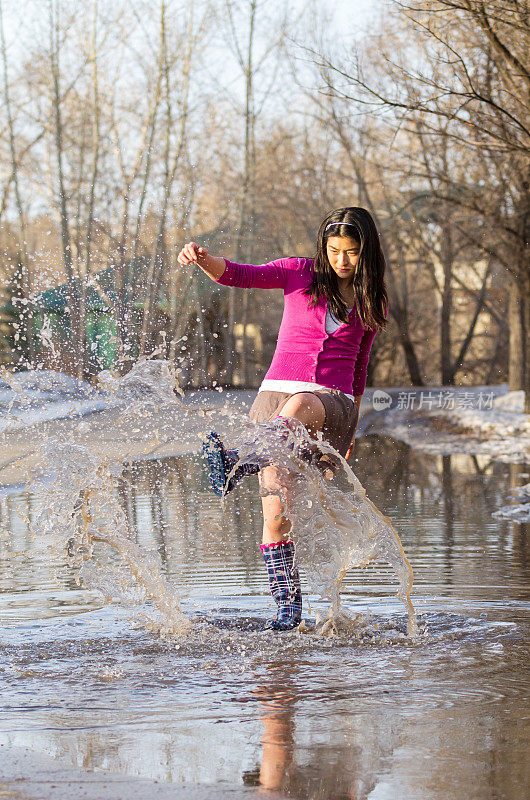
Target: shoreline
<point x="143" y="432"/>
<point x="29" y="775"/>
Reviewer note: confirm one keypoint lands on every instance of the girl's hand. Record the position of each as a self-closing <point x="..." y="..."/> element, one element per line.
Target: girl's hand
<point x="191" y="253"/>
<point x="350" y="448"/>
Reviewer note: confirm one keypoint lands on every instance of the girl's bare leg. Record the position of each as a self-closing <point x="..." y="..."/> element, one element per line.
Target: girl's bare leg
<point x="309" y="410"/>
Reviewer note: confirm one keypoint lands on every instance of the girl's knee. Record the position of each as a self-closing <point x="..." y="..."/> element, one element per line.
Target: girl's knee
<point x="307" y="408"/>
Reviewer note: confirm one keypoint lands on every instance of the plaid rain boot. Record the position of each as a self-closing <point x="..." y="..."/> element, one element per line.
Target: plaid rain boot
<point x="284" y="582"/>
<point x="221" y="462"/>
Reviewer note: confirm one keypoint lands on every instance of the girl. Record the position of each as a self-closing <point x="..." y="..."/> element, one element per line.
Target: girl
<point x="334" y="305"/>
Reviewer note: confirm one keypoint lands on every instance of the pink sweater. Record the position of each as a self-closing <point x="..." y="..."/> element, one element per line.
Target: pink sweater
<point x="304" y="351"/>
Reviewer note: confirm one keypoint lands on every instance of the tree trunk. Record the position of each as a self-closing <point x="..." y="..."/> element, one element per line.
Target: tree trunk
<point x="171" y="164"/>
<point x="516" y="366"/>
<point x="228" y="338"/>
<point x="84" y="361"/>
<point x="459" y="360"/>
<point x="203" y="365"/>
<point x="524" y="284"/>
<point x="410" y="357"/>
<point x="245" y="234"/>
<point x="73" y="301"/>
<point x="447" y="372"/>
<point x="27" y="313"/>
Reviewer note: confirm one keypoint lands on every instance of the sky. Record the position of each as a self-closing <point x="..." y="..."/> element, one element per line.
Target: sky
<point x="349" y="20"/>
<point x="355" y="12"/>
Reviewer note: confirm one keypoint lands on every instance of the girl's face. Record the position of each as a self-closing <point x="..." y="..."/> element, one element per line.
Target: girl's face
<point x="343" y="255"/>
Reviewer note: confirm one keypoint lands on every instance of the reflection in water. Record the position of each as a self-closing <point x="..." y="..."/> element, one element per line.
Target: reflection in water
<point x="520" y="530"/>
<point x="446" y="524"/>
<point x="277" y="695"/>
<point x="449" y="513"/>
<point x="309" y="767"/>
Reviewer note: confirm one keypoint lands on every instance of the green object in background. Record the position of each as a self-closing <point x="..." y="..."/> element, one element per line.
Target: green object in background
<point x="100" y="329"/>
<point x="101" y="339"/>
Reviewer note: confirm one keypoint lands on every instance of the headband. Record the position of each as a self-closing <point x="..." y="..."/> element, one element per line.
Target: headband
<point x="334" y="225"/>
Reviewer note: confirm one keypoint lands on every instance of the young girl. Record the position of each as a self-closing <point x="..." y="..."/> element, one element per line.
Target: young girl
<point x="334" y="305"/>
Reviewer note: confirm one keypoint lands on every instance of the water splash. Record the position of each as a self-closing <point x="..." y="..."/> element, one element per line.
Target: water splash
<point x="152" y="381"/>
<point x="335" y="526"/>
<point x="82" y="507"/>
<point x="46" y="337"/>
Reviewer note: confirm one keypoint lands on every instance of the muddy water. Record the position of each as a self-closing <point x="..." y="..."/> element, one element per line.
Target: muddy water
<point x="233" y="711"/>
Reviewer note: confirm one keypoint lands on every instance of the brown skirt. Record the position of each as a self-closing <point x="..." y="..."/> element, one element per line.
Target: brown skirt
<point x="341" y="414"/>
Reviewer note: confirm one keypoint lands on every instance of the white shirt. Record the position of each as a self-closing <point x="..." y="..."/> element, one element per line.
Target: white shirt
<point x="332" y="322"/>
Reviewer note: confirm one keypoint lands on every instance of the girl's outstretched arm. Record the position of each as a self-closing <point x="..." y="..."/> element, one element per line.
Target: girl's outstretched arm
<point x="273" y="275"/>
<point x="192" y="253"/>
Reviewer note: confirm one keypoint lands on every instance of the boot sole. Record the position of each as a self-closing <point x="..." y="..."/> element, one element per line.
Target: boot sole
<point x="281" y="627"/>
<point x="212" y="450"/>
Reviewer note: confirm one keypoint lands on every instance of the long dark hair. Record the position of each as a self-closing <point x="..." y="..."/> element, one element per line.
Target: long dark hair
<point x="371" y="300"/>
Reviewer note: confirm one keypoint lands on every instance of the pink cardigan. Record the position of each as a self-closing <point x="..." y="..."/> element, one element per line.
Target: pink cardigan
<point x="304" y="351"/>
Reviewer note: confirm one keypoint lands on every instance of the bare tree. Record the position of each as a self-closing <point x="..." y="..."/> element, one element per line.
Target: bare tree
<point x="373" y="192"/>
<point x="56" y="98"/>
<point x="173" y="149"/>
<point x="469" y="82"/>
<point x="134" y="165"/>
<point x="253" y="59"/>
<point x="26" y="312"/>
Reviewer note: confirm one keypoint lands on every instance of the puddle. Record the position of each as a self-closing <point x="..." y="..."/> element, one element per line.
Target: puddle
<point x="366" y="711"/>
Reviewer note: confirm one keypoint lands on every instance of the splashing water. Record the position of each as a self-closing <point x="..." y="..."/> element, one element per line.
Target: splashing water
<point x="334" y="525"/>
<point x="46" y="337"/>
<point x="81" y="506"/>
<point x="150" y="380"/>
